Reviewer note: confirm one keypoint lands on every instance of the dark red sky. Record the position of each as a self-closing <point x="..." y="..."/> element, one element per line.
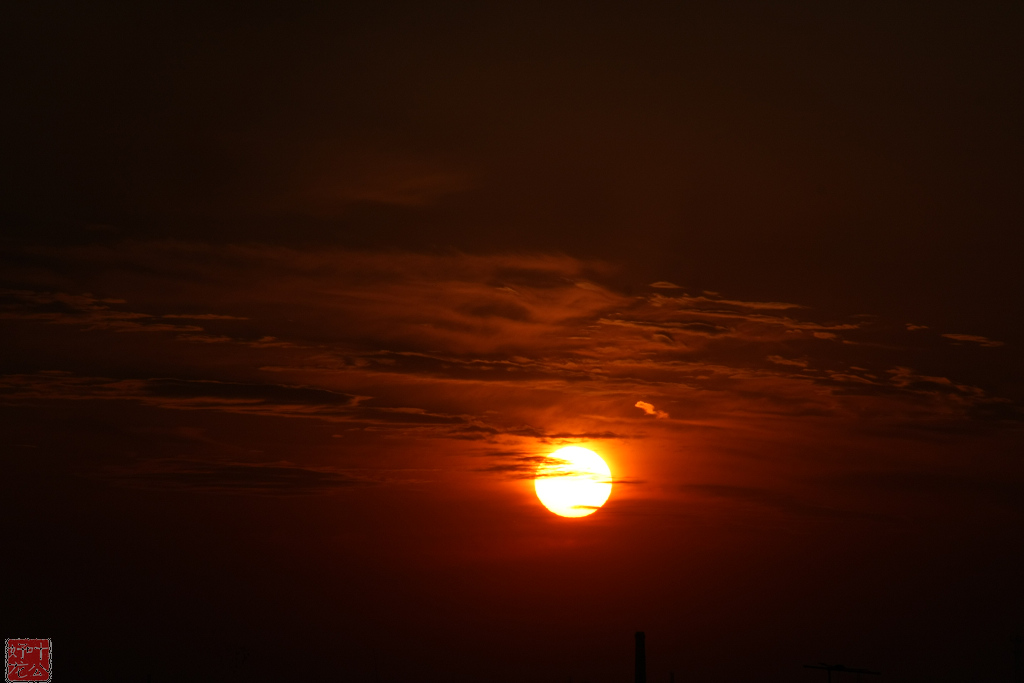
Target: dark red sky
<point x="294" y="298"/>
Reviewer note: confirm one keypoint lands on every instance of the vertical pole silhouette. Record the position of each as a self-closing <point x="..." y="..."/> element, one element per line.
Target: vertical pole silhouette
<point x="1018" y="675"/>
<point x="641" y="659"/>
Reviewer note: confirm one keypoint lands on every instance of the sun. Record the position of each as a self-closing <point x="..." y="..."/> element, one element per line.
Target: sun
<point x="573" y="482"/>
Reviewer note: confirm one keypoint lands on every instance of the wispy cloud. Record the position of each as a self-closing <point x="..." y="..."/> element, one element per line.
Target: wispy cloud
<point x="779" y="360"/>
<point x="517" y="351"/>
<point x="86" y="310"/>
<point x="203" y="316"/>
<point x="92" y="313"/>
<point x="973" y="339"/>
<point x="650" y="410"/>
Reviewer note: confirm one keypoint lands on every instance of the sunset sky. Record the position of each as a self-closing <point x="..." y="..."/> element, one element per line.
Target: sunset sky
<point x="296" y="298"/>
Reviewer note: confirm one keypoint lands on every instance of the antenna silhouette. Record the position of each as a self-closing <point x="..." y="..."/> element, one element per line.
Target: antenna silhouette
<point x="840" y="668"/>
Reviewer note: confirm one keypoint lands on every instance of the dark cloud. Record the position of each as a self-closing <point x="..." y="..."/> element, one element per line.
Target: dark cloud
<point x="266" y="394"/>
<point x="962" y="486"/>
<point x="523" y="468"/>
<point x="509" y="310"/>
<point x="203" y="316"/>
<point x="779" y="502"/>
<point x="272" y="479"/>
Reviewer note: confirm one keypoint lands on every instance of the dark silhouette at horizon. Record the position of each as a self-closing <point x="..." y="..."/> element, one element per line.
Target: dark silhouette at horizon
<point x="641" y="659"/>
<point x="1018" y="674"/>
<point x="839" y="668"/>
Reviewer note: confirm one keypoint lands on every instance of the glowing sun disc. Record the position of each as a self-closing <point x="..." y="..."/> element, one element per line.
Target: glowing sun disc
<point x="573" y="482"/>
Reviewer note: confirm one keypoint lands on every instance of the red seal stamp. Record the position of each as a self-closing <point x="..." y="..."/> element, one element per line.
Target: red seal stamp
<point x="27" y="659"/>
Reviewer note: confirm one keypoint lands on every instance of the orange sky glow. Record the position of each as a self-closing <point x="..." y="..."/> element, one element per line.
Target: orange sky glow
<point x="296" y="301"/>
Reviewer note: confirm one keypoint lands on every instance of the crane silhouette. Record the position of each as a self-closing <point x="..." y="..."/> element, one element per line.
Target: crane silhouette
<point x="839" y="668"/>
